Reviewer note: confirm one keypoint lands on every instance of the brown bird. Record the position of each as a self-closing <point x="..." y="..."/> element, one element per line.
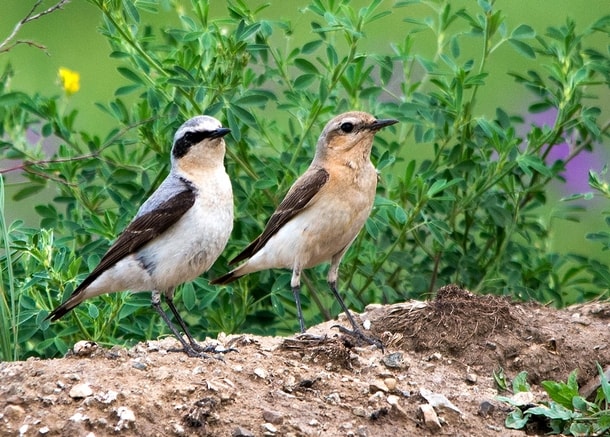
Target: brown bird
<point x="322" y="212"/>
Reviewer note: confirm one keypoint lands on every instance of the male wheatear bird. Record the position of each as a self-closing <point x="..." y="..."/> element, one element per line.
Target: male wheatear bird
<point x="177" y="233"/>
<point x="323" y="211"/>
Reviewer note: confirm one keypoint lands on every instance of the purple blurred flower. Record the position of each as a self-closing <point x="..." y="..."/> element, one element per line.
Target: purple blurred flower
<point x="576" y="173"/>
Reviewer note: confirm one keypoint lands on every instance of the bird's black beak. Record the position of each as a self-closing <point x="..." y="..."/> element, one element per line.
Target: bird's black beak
<point x="220" y="132"/>
<point x="381" y="123"/>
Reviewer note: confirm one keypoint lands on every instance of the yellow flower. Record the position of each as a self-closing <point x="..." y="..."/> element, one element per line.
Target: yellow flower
<point x="70" y="80"/>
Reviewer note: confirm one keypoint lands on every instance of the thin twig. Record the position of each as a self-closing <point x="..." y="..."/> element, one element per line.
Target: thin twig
<point x="31" y="16"/>
<point x="27" y="166"/>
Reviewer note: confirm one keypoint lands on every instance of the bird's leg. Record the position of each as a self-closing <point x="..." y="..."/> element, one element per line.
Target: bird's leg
<point x="196" y="346"/>
<point x="188" y="349"/>
<point x="356" y="332"/>
<point x="170" y="303"/>
<point x="295" y="284"/>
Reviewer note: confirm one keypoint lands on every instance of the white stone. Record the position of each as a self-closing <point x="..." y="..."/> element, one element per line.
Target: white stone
<point x="80" y="391"/>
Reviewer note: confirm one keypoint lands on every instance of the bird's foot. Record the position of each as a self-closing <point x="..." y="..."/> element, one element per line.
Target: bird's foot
<point x="358" y="334"/>
<point x="195" y="350"/>
<point x="213" y="348"/>
<point x="192" y="352"/>
<point x="303" y="341"/>
<point x="306" y="336"/>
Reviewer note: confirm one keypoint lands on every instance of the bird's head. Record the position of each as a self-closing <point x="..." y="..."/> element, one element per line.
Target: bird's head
<point x="199" y="143"/>
<point x="350" y="133"/>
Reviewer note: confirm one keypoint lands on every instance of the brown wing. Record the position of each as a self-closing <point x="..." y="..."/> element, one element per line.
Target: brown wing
<point x="297" y="198"/>
<point x="142" y="230"/>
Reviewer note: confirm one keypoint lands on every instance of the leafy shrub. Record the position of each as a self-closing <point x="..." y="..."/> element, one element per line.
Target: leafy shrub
<point x="467" y="215"/>
<point x="566" y="412"/>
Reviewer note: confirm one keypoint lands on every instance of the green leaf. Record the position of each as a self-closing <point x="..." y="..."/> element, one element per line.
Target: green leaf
<point x="304" y="81"/>
<point x="523" y="48"/>
<point x="128" y="89"/>
<point x="553" y="411"/>
<point x="311" y="46"/>
<point x="252" y="99"/>
<point x="562" y="393"/>
<point x="523" y="31"/>
<point x="516" y="419"/>
<point x="400" y="215"/>
<point x="189" y="297"/>
<point x="604" y="384"/>
<point x="581" y="429"/>
<point x="529" y="162"/>
<point x="12" y="98"/>
<point x="263" y="184"/>
<point x="28" y="191"/>
<point x="581" y="404"/>
<point x="127" y="73"/>
<point x="93" y="311"/>
<point x="520" y="383"/>
<point x="305" y="66"/>
<point x="131" y="11"/>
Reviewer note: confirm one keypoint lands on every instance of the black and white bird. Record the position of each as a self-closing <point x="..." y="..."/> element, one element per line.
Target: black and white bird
<point x="323" y="211"/>
<point x="177" y="233"/>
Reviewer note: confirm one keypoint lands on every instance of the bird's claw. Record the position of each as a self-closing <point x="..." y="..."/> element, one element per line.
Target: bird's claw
<point x="195" y="350"/>
<point x="358" y="334"/>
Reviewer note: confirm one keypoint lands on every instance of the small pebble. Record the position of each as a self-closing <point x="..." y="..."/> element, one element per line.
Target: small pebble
<point x="362" y="431"/>
<point x="261" y="373"/>
<point x="84" y="348"/>
<point x="14" y="413"/>
<point x="430" y="418"/>
<point x="390" y="383"/>
<point x="394" y="360"/>
<point x="273" y="417"/>
<point x="80" y="391"/>
<point x="392" y="400"/>
<point x="333" y="398"/>
<point x="486" y="408"/>
<point x="436" y="356"/>
<point x="239" y="431"/>
<point x="126" y="415"/>
<point x="269" y="427"/>
<point x="359" y="411"/>
<point x="139" y="365"/>
<point x="378" y="386"/>
<point x="471" y="378"/>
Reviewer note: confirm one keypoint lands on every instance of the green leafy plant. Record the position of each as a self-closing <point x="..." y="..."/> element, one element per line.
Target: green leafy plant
<point x="469" y="214"/>
<point x="566" y="412"/>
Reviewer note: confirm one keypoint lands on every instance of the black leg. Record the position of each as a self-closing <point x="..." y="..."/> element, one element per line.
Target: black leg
<point x="172" y="307"/>
<point x="188" y="349"/>
<point x="296" y="291"/>
<point x="356" y="331"/>
<point x="196" y="346"/>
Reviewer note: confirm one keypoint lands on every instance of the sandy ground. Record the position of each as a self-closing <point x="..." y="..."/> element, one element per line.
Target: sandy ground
<point x="433" y="378"/>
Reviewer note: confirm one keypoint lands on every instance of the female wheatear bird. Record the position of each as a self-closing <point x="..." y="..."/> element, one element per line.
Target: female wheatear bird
<point x="323" y="211"/>
<point x="177" y="233"/>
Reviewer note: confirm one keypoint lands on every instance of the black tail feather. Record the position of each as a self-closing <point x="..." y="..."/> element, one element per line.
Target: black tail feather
<point x="225" y="279"/>
<point x="60" y="311"/>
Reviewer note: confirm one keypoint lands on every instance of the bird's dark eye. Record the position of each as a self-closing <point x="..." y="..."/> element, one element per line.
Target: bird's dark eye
<point x="347" y="127"/>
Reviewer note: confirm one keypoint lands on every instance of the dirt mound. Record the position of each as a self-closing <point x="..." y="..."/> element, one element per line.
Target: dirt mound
<point x="435" y="376"/>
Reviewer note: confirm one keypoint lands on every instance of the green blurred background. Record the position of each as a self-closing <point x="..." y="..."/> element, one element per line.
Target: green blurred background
<point x="72" y="41"/>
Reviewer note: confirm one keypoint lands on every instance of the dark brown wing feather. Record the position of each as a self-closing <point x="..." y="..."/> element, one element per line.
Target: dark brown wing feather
<point x="139" y="232"/>
<point x="297" y="198"/>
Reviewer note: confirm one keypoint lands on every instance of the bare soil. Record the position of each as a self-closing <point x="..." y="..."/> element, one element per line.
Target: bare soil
<point x="433" y="378"/>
